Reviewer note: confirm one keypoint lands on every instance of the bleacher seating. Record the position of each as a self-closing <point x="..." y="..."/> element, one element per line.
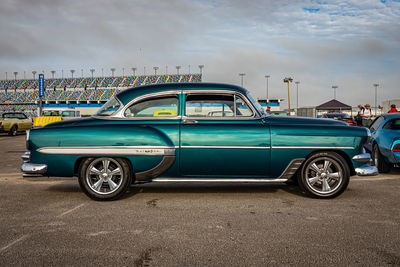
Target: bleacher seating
<point x="128" y="81"/>
<point x="174" y="78"/>
<point x="23" y="95"/>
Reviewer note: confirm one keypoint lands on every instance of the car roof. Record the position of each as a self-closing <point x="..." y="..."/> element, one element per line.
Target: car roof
<point x="389" y="115"/>
<point x="128" y="94"/>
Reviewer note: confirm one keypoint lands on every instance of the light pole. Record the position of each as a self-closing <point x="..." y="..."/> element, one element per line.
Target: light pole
<point x="34" y="73"/>
<point x="241" y="78"/>
<point x="92" y="71"/>
<point x="72" y="73"/>
<point x="6" y="76"/>
<point x="134" y="71"/>
<point x="297" y="96"/>
<point x="288" y="80"/>
<point x="177" y="69"/>
<point x="112" y="71"/>
<point x="376" y="98"/>
<point x="189" y="69"/>
<point x="62" y="74"/>
<point x="166" y="69"/>
<point x="201" y="69"/>
<point x="155" y="70"/>
<point x="334" y="91"/>
<point x="24" y="75"/>
<point x="15" y="74"/>
<point x="123" y="72"/>
<point x="267" y="77"/>
<point x="102" y="72"/>
<point x="52" y="73"/>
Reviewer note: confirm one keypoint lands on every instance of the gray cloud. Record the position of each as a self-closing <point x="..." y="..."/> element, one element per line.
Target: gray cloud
<point x="349" y="43"/>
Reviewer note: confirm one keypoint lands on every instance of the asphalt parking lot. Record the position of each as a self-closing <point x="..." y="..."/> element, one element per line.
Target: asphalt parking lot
<point x="49" y="221"/>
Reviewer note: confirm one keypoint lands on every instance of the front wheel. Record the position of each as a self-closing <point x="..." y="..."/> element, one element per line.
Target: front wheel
<point x="105" y="178"/>
<point x="324" y="175"/>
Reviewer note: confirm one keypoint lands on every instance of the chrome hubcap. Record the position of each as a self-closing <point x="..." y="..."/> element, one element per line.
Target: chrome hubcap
<point x="324" y="175"/>
<point x="104" y="176"/>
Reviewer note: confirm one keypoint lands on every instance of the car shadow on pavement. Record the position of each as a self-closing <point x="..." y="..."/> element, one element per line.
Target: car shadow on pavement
<point x="214" y="188"/>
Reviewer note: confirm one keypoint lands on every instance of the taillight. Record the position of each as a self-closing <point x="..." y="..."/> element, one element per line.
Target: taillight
<point x="396" y="148"/>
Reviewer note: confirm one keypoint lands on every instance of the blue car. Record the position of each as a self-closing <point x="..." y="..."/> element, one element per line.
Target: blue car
<point x="384" y="143"/>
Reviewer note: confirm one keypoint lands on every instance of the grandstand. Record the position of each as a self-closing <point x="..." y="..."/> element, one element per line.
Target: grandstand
<point x="23" y="95"/>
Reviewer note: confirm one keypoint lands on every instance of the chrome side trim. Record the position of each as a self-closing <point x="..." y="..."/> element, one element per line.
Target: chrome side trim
<point x="26" y="156"/>
<point x="31" y="168"/>
<point x="312" y="147"/>
<point x="111" y="150"/>
<point x="291" y="169"/>
<point x="228" y="147"/>
<point x="164" y="165"/>
<point x="365" y="157"/>
<point x="221" y="180"/>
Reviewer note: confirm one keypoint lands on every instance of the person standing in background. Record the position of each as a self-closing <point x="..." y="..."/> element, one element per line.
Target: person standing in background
<point x="358" y="118"/>
<point x="393" y="109"/>
<point x="366" y="116"/>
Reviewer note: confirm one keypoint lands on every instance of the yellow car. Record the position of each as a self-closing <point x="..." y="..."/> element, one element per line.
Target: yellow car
<point x="50" y="115"/>
<point x="14" y="122"/>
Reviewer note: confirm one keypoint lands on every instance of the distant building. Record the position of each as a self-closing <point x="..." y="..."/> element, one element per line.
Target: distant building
<point x="274" y="103"/>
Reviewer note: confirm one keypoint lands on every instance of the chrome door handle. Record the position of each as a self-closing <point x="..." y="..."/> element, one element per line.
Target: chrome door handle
<point x="189" y="121"/>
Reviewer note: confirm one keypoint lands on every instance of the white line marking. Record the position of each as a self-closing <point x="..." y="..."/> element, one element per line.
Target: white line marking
<point x="14" y="242"/>
<point x="71" y="210"/>
<point x="376" y="179"/>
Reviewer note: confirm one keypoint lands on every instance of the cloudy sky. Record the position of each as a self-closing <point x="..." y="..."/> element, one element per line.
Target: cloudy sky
<point x="352" y="44"/>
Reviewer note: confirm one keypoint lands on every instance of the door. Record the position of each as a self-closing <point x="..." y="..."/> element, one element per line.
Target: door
<point x="222" y="136"/>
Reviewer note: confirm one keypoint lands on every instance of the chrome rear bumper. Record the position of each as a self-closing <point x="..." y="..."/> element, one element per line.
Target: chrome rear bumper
<point x="367" y="169"/>
<point x="32" y="168"/>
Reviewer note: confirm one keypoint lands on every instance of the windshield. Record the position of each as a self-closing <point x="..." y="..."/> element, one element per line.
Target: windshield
<point x="109" y="108"/>
<point x="51" y="113"/>
<point x="256" y="105"/>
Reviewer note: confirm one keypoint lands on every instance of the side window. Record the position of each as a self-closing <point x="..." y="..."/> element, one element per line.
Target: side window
<point x="375" y="125"/>
<point x="209" y="106"/>
<point x="393" y="124"/>
<point x="216" y="106"/>
<point x="154" y="107"/>
<point x="242" y="109"/>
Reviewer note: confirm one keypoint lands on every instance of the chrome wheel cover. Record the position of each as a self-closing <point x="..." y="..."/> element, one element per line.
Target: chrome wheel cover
<point x="324" y="175"/>
<point x="104" y="176"/>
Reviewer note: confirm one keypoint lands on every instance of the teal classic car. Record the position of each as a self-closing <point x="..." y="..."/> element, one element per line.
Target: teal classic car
<point x="211" y="133"/>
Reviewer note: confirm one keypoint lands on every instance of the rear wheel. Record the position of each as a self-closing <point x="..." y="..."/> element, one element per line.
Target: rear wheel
<point x="324" y="175"/>
<point x="13" y="131"/>
<point x="379" y="161"/>
<point x="105" y="178"/>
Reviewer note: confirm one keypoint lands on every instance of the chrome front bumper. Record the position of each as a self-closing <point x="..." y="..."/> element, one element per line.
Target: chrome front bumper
<point x="32" y="168"/>
<point x="367" y="169"/>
